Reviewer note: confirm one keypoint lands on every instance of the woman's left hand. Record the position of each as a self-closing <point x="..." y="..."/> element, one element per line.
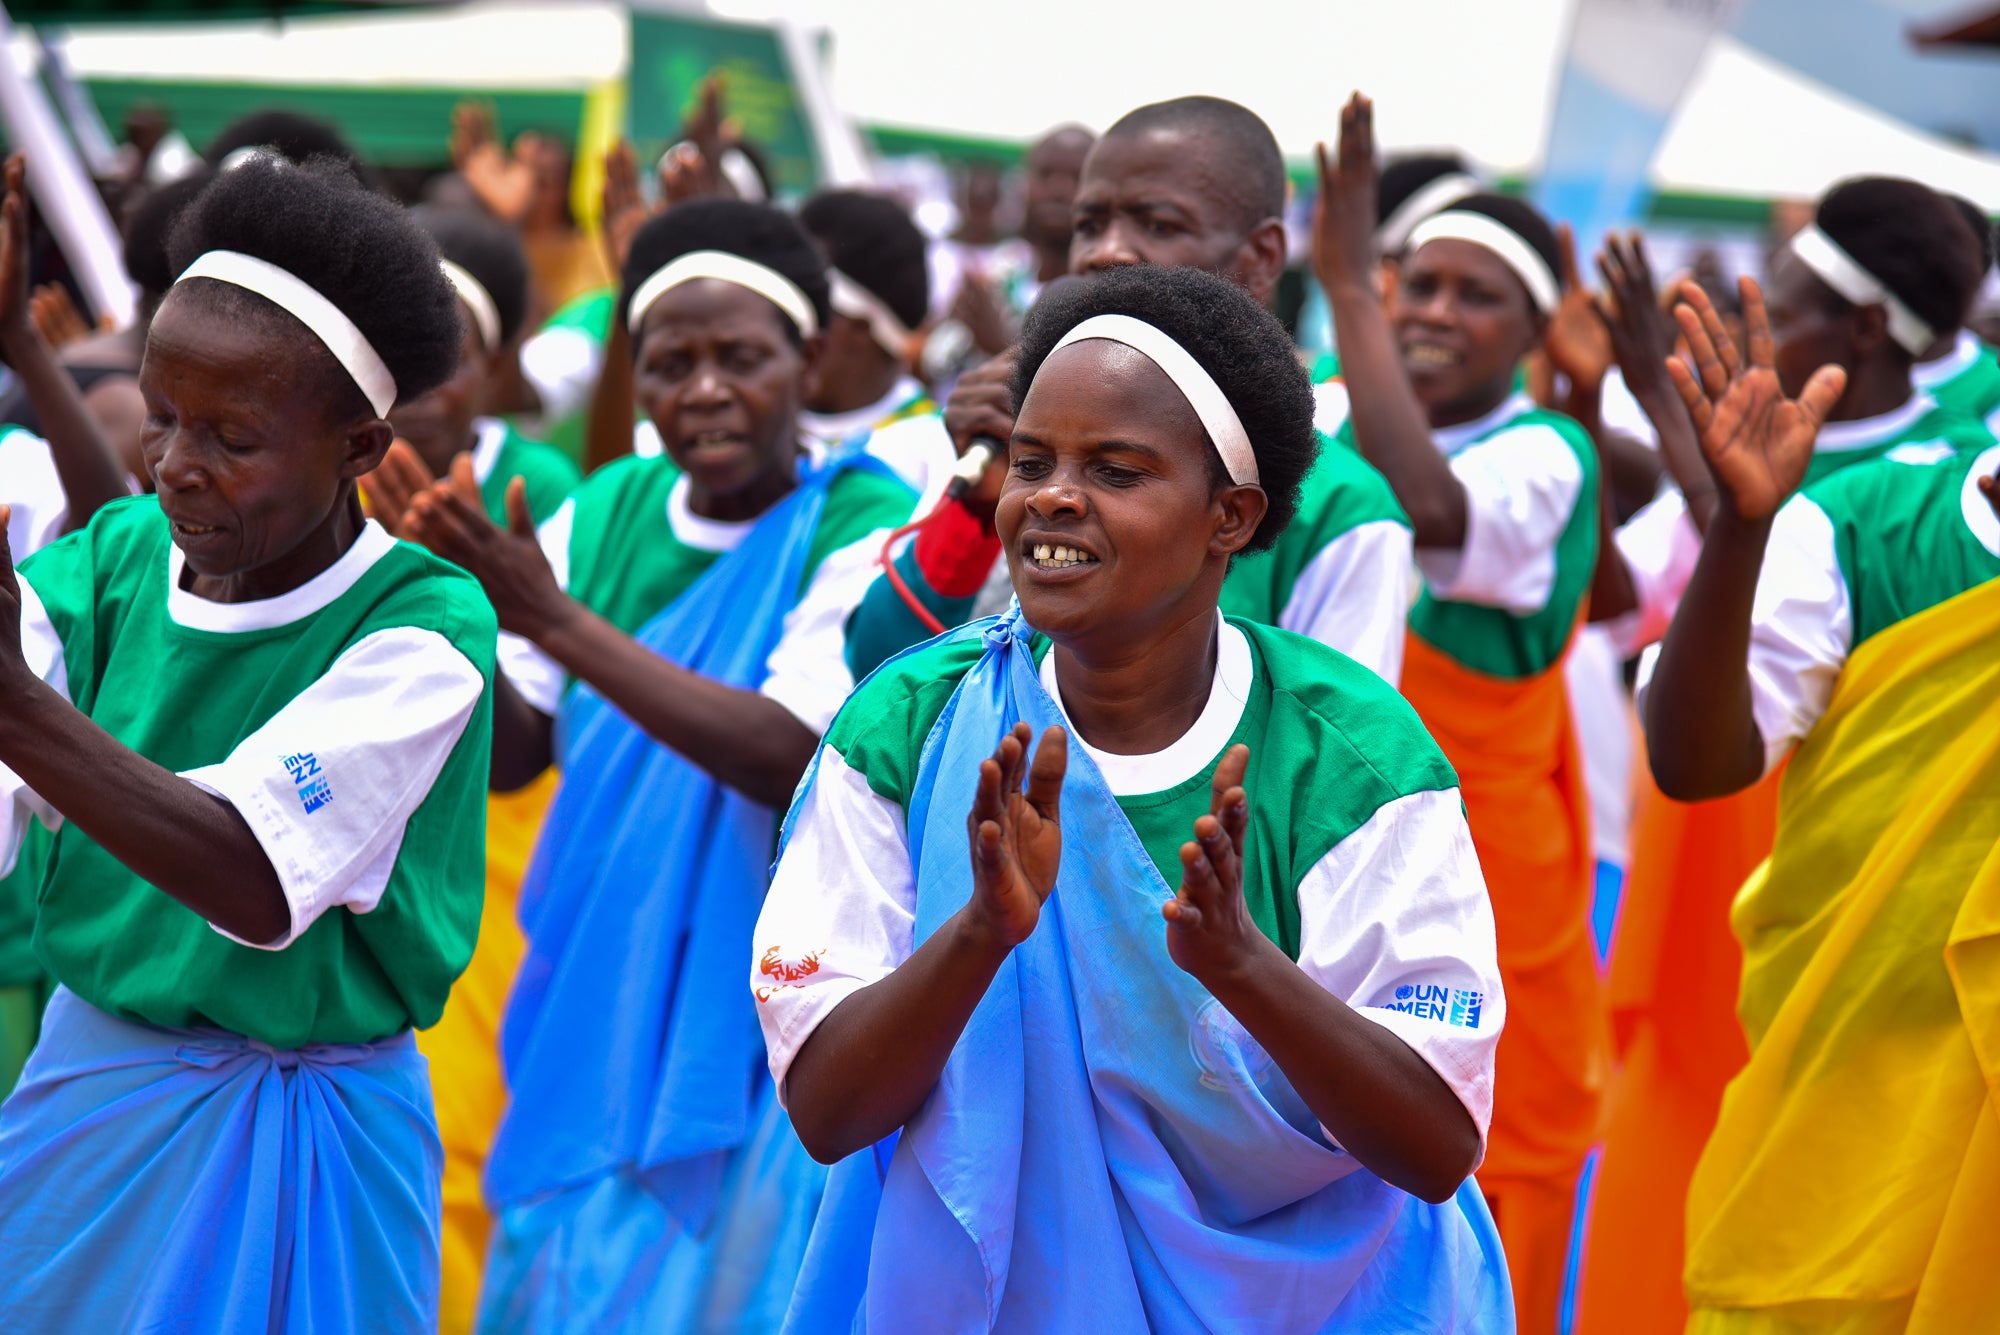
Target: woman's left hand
<point x="508" y="563"/>
<point x="1343" y="229"/>
<point x="1209" y="930"/>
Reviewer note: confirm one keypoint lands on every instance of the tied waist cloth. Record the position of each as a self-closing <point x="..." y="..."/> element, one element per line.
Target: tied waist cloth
<point x="132" y="1157"/>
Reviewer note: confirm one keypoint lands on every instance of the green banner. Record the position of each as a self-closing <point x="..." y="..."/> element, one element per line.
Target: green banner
<point x="671" y="55"/>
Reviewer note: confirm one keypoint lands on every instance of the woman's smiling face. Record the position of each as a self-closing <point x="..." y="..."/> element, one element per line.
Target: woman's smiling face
<point x="1115" y="516"/>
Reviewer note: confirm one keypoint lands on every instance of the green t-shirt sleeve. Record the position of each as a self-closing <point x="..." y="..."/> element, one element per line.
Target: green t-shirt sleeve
<point x="858" y="502"/>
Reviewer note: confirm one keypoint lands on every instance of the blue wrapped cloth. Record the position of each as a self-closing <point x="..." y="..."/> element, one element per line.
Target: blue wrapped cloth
<point x="1138" y="1163"/>
<point x="167" y="1180"/>
<point x="644" y="1176"/>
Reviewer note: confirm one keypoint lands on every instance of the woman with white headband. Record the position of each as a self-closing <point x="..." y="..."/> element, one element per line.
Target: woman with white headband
<point x="1251" y="1104"/>
<point x="1503" y="498"/>
<point x="1962" y="370"/>
<point x="259" y="728"/>
<point x="1848" y="631"/>
<point x="448" y="433"/>
<point x="677" y="628"/>
<point x="879" y="276"/>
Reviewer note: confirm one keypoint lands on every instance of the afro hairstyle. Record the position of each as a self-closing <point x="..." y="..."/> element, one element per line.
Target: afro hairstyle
<point x="1911" y="239"/>
<point x="872" y="240"/>
<point x="146" y="229"/>
<point x="360" y="251"/>
<point x="1254" y="164"/>
<point x="294" y="135"/>
<point x="490" y="251"/>
<point x="770" y="236"/>
<point x="1239" y="343"/>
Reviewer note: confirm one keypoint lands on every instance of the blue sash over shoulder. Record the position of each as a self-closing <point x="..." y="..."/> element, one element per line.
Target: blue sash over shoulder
<point x="631" y="1043"/>
<point x="194" y="1180"/>
<point x="1139" y="1163"/>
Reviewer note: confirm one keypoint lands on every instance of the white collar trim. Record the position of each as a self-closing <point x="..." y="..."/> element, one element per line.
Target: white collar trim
<point x="1134" y="776"/>
<point x="1452" y="439"/>
<point x="321" y="591"/>
<point x="1863" y="432"/>
<point x="698" y="532"/>
<point x="836" y="427"/>
<point x="1979" y="516"/>
<point x="486" y="447"/>
<point x="1964" y="352"/>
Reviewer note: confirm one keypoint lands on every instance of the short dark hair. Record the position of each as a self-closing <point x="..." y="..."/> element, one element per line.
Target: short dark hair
<point x="147" y="226"/>
<point x="871" y="239"/>
<point x="1252" y="153"/>
<point x="1402" y="177"/>
<point x="757" y="232"/>
<point x="360" y="251"/>
<point x="294" y="135"/>
<point x="1235" y="340"/>
<point x="1982" y="228"/>
<point x="1911" y="239"/>
<point x="490" y="251"/>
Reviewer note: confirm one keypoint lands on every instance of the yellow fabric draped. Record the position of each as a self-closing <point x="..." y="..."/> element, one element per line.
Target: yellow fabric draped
<point x="467" y="1083"/>
<point x="1853" y="1180"/>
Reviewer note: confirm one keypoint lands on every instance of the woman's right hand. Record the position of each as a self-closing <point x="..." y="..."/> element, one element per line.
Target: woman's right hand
<point x="508" y="562"/>
<point x="1758" y="443"/>
<point x="1016" y="834"/>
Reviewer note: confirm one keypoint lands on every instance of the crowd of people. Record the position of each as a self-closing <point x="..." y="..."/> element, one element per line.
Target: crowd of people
<point x="751" y="768"/>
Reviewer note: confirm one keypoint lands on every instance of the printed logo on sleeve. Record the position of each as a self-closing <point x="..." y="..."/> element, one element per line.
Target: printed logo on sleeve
<point x="314" y="790"/>
<point x="1446" y="1005"/>
<point x="784" y="973"/>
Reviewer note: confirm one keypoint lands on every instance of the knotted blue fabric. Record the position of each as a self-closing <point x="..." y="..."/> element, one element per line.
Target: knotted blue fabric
<point x="624" y="1194"/>
<point x="172" y="1180"/>
<point x="1107" y="1148"/>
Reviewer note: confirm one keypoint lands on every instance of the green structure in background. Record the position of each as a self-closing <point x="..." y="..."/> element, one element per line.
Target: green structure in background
<point x="672" y="55"/>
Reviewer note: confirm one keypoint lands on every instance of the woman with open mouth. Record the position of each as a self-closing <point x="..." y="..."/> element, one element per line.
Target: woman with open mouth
<point x="679" y="627"/>
<point x="1247" y="1103"/>
<point x="258" y="727"/>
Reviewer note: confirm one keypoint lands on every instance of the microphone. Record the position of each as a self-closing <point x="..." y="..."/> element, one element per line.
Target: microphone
<point x="984" y="450"/>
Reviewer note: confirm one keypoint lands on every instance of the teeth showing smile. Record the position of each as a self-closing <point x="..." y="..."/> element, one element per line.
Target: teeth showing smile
<point x="1061" y="558"/>
<point x="1430" y="354"/>
<point x="195" y="530"/>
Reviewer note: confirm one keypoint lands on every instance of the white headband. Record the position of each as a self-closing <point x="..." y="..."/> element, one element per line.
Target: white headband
<point x="1395" y="230"/>
<point x="328" y="323"/>
<point x="485" y="315"/>
<point x="858" y="303"/>
<point x="1839" y="271"/>
<point x="1210" y="404"/>
<point x="736" y="168"/>
<point x="1513" y="250"/>
<point x="766" y="282"/>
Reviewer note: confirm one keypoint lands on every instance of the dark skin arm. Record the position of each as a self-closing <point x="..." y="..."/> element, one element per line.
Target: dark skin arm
<point x="747" y="741"/>
<point x="1390" y="425"/>
<point x="873" y="1061"/>
<point x="189" y="843"/>
<point x="1701" y="735"/>
<point x="1643" y="341"/>
<point x="85" y="463"/>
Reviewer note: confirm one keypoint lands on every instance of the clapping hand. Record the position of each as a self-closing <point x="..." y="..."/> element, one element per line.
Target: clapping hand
<point x="1210" y="933"/>
<point x="1015" y="832"/>
<point x="448" y="518"/>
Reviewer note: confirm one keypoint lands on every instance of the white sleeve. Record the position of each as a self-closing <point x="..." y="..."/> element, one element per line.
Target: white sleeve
<point x="1521" y="486"/>
<point x="1355" y="596"/>
<point x="562" y="364"/>
<point x="1395" y="921"/>
<point x="841" y="912"/>
<point x="1330" y="408"/>
<point x="920" y="452"/>
<point x="1801" y="630"/>
<point x="808" y="672"/>
<point x="1619" y="409"/>
<point x="32" y="490"/>
<point x="536" y="677"/>
<point x="1660" y="545"/>
<point x="330" y="782"/>
<point x="44" y="654"/>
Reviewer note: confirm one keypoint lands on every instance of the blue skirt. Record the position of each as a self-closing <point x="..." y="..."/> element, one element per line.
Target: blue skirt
<point x="170" y="1180"/>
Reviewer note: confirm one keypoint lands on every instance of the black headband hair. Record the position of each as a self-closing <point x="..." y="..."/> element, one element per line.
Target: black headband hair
<point x="793" y="271"/>
<point x="1513" y="230"/>
<point x="1239" y="345"/>
<point x="291" y="135"/>
<point x="347" y="264"/>
<point x="1981" y="224"/>
<point x="1410" y="189"/>
<point x="487" y="254"/>
<point x="880" y="266"/>
<point x="1888" y="241"/>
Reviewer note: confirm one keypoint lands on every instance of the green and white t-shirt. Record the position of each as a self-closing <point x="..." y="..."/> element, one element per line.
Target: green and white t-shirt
<point x="1965" y="380"/>
<point x="562" y="361"/>
<point x="348" y="722"/>
<point x="1359" y="864"/>
<point x="1849" y="558"/>
<point x="1340" y="572"/>
<point x="626" y="544"/>
<point x="1505" y="603"/>
<point x="31" y="487"/>
<point x="500" y="454"/>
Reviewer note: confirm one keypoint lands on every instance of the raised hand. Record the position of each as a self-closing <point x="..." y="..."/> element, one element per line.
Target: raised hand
<point x="1343" y="235"/>
<point x="1642" y="337"/>
<point x="14" y="245"/>
<point x="508" y="563"/>
<point x="1209" y="930"/>
<point x="625" y="208"/>
<point x="1016" y="833"/>
<point x="388" y="492"/>
<point x="693" y="168"/>
<point x="56" y="317"/>
<point x="505" y="184"/>
<point x="1758" y="443"/>
<point x="1576" y="341"/>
